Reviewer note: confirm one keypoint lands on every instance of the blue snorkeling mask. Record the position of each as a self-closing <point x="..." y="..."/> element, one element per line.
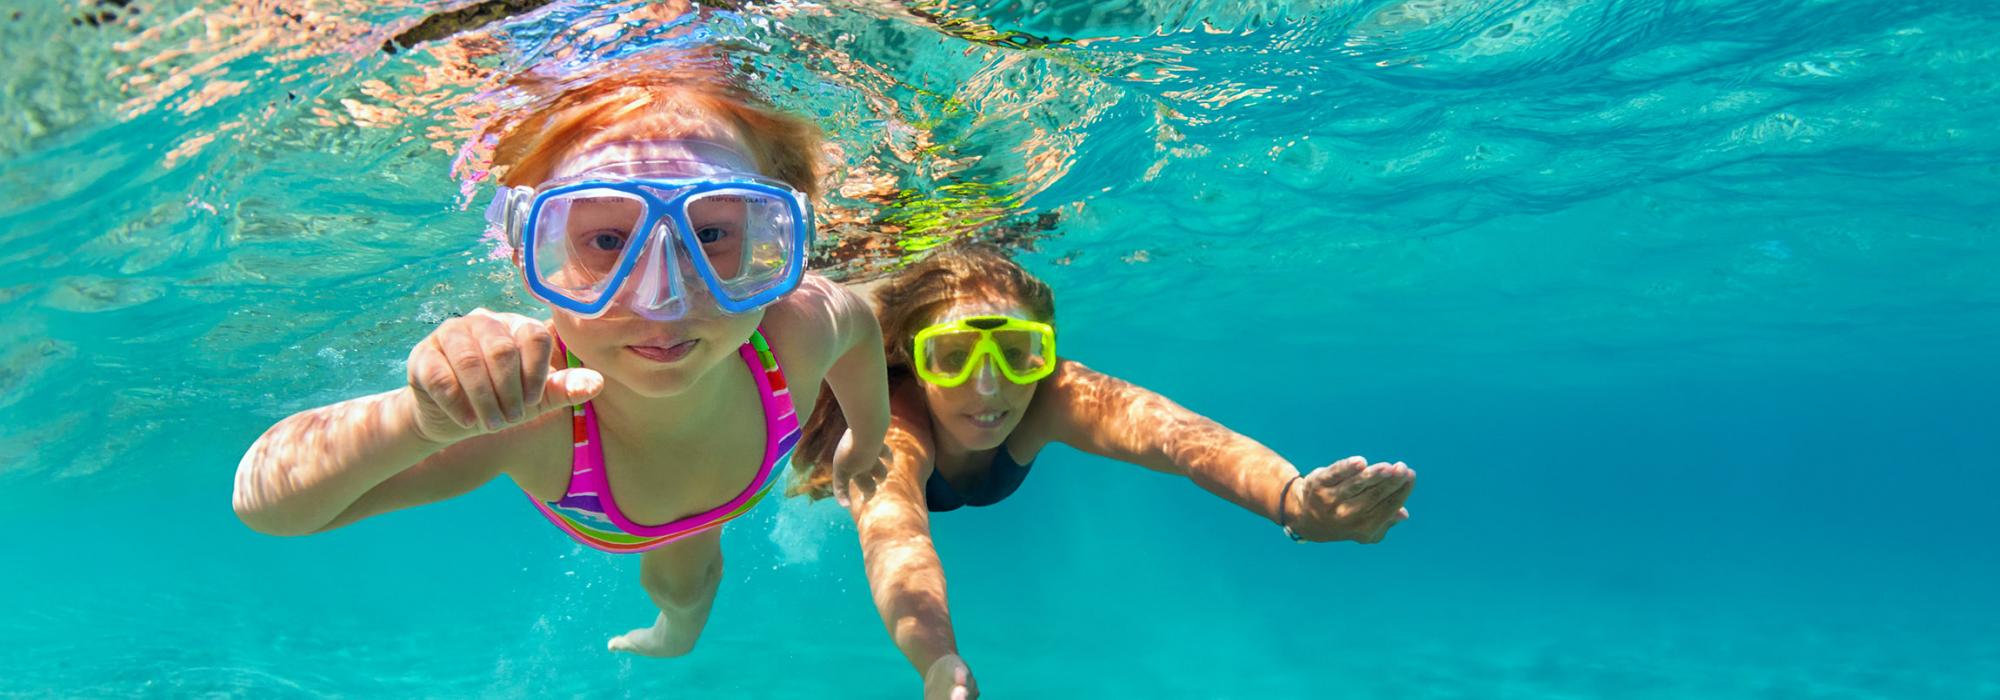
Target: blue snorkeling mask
<point x="636" y="222"/>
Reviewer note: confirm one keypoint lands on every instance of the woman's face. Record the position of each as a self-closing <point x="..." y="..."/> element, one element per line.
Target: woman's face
<point x="656" y="358"/>
<point x="980" y="413"/>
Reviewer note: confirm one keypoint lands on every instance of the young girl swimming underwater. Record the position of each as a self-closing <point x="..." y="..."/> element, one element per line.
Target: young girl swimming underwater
<point x="665" y="222"/>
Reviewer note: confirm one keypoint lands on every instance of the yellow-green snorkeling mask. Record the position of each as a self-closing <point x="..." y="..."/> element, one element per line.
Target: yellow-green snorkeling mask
<point x="946" y="354"/>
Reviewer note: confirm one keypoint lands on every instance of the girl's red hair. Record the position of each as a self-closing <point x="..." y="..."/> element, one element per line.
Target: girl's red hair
<point x="651" y="104"/>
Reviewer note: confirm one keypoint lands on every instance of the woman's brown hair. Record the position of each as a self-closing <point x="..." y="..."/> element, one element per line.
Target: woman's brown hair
<point x="905" y="304"/>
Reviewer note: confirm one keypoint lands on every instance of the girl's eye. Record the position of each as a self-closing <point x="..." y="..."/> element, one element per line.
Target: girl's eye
<point x="607" y="240"/>
<point x="955" y="358"/>
<point x="711" y="234"/>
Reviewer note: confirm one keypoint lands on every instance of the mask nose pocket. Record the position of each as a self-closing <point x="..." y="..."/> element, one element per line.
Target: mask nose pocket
<point x="986" y="376"/>
<point x="656" y="289"/>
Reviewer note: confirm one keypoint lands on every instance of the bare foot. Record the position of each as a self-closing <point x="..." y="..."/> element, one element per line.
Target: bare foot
<point x="657" y="641"/>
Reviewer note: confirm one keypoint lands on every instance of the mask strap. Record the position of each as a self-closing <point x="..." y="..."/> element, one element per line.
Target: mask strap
<point x="657" y="158"/>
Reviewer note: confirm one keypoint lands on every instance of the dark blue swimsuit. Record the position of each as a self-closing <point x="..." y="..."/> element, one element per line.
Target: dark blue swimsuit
<point x="1001" y="480"/>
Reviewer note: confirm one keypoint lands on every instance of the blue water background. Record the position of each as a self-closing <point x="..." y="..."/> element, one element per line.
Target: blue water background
<point x="1685" y="312"/>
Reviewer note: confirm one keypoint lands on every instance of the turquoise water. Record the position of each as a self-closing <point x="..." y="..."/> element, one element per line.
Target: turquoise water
<point x="1684" y="310"/>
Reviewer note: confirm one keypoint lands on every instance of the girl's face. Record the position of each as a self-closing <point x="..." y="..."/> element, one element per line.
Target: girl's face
<point x="660" y="358"/>
<point x="656" y="358"/>
<point x="983" y="411"/>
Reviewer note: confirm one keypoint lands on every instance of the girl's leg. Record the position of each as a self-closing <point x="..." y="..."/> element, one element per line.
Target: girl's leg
<point x="682" y="578"/>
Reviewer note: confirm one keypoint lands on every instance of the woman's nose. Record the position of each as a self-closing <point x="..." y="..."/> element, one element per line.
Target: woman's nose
<point x="988" y="380"/>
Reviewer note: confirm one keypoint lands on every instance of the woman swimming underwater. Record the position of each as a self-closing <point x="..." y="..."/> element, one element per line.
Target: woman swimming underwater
<point x="977" y="391"/>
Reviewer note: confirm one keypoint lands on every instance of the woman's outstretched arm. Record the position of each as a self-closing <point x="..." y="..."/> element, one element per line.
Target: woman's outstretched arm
<point x="1113" y="418"/>
<point x="905" y="576"/>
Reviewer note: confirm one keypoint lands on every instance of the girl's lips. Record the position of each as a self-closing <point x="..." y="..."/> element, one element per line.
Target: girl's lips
<point x="664" y="353"/>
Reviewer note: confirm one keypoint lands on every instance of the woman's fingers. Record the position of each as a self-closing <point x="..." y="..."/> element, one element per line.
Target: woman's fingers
<point x="1334" y="474"/>
<point x="1390" y="501"/>
<point x="1370" y="480"/>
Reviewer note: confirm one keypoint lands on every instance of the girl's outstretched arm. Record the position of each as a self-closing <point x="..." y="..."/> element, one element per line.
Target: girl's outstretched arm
<point x="1109" y="417"/>
<point x="862" y="387"/>
<point x="436" y="438"/>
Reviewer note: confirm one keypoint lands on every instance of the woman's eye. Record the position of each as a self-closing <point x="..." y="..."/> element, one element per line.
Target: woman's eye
<point x="711" y="234"/>
<point x="1015" y="356"/>
<point x="955" y="358"/>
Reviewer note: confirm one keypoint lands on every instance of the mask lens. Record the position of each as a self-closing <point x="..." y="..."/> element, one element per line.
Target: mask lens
<point x="946" y="354"/>
<point x="580" y="238"/>
<point x="1023" y="350"/>
<point x="747" y="239"/>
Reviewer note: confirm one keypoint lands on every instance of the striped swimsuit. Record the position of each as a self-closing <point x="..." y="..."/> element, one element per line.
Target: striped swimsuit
<point x="590" y="515"/>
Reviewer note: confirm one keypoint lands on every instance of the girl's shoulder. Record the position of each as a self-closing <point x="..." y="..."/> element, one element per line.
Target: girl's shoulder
<point x="812" y="323"/>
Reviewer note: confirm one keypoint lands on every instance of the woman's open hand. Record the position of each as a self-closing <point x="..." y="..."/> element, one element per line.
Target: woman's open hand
<point x="1349" y="501"/>
<point x="950" y="679"/>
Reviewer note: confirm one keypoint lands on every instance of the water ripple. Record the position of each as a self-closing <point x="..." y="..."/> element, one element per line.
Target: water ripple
<point x="231" y="177"/>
